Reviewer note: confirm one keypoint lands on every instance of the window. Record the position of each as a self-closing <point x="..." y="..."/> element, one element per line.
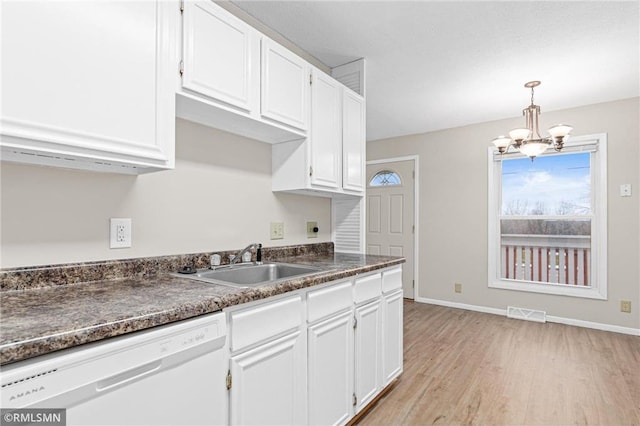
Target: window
<point x="547" y="220"/>
<point x="385" y="178"/>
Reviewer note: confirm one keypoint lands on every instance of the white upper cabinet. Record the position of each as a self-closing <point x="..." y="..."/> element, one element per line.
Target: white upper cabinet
<point x="353" y="141"/>
<point x="235" y="79"/>
<point x="219" y="51"/>
<point x="326" y="131"/>
<point x="285" y="85"/>
<point x="89" y="85"/>
<point x="331" y="160"/>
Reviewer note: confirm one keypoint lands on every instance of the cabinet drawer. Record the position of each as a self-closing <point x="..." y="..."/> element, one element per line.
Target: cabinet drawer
<point x="367" y="288"/>
<point x="258" y="323"/>
<point x="391" y="280"/>
<point x="329" y="300"/>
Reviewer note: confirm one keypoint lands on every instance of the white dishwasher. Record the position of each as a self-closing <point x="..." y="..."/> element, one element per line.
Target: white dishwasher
<point x="169" y="375"/>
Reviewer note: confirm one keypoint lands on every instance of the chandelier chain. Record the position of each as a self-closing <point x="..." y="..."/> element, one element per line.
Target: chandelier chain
<point x="532" y="96"/>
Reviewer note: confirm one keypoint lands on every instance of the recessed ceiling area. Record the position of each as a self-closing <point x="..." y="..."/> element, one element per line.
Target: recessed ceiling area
<point x="433" y="65"/>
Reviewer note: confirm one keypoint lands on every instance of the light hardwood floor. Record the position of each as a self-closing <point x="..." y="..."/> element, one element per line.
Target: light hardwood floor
<point x="470" y="368"/>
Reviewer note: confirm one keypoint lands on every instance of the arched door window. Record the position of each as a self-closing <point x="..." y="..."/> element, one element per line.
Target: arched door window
<point x="385" y="178"/>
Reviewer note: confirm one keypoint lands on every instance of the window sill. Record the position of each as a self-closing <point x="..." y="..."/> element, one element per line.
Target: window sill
<point x="557" y="289"/>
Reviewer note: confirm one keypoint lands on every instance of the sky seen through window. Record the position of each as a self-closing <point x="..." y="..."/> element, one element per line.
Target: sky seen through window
<point x="551" y="185"/>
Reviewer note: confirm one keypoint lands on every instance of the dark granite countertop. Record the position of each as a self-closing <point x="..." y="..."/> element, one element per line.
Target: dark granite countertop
<point x="42" y="320"/>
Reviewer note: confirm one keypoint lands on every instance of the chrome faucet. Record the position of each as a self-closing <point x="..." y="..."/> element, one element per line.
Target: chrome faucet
<point x="238" y="257"/>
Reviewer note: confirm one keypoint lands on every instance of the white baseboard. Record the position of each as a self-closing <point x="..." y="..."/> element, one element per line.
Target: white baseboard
<point x="550" y="318"/>
<point x="595" y="325"/>
<point x="449" y="304"/>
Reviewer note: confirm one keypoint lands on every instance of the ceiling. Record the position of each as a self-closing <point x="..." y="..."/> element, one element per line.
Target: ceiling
<point x="433" y="65"/>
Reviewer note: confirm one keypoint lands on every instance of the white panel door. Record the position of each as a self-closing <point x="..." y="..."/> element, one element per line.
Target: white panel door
<point x="390" y="218"/>
<point x="368" y="358"/>
<point x="391" y="336"/>
<point x="326" y="131"/>
<point x="330" y="369"/>
<point x="353" y="141"/>
<point x="269" y="383"/>
<point x="285" y="85"/>
<point x="218" y="54"/>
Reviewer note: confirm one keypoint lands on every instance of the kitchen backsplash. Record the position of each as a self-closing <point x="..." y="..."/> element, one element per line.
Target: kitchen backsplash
<point x="25" y="278"/>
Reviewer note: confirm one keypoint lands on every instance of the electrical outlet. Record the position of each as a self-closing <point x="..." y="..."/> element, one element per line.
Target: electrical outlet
<point x="625" y="306"/>
<point x="277" y="230"/>
<point x="312" y="229"/>
<point x="625" y="190"/>
<point x="120" y="233"/>
<point x="457" y="287"/>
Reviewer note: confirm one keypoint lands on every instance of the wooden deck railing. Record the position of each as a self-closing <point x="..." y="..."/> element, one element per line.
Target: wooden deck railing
<point x="547" y="258"/>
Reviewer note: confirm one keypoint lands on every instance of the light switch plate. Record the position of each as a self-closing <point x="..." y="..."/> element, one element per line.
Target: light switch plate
<point x="625" y="306"/>
<point x="310" y="229"/>
<point x="277" y="230"/>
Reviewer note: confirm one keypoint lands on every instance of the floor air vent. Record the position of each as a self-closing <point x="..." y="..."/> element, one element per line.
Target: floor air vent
<point x="526" y="314"/>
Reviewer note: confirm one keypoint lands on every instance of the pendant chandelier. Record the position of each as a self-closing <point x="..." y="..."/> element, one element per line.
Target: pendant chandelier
<point x="528" y="140"/>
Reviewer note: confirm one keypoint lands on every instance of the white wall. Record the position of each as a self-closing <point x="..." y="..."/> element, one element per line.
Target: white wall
<point x="453" y="212"/>
<point x="217" y="198"/>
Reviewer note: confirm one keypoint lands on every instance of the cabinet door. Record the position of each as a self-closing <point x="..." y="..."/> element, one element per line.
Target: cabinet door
<point x="391" y="336"/>
<point x="89" y="84"/>
<point x="353" y="141"/>
<point x="218" y="54"/>
<point x="269" y="383"/>
<point x="285" y="85"/>
<point x="330" y="355"/>
<point x="368" y="363"/>
<point x="326" y="131"/>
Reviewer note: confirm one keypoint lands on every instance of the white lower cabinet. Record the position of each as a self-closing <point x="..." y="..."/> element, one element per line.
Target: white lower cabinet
<point x="330" y="354"/>
<point x="368" y="346"/>
<point x="319" y="362"/>
<point x="267" y="378"/>
<point x="392" y="329"/>
<point x="391" y="336"/>
<point x="367" y="290"/>
<point x="268" y="383"/>
<point x="330" y="345"/>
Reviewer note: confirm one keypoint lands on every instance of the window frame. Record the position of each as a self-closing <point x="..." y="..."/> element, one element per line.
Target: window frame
<point x="598" y="276"/>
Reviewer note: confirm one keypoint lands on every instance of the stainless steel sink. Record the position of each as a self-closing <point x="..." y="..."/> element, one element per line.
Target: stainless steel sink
<point x="244" y="276"/>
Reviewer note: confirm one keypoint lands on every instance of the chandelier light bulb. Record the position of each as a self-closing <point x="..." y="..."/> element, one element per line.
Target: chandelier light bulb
<point x="533" y="148"/>
<point x="502" y="143"/>
<point x="519" y="135"/>
<point x="560" y="130"/>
